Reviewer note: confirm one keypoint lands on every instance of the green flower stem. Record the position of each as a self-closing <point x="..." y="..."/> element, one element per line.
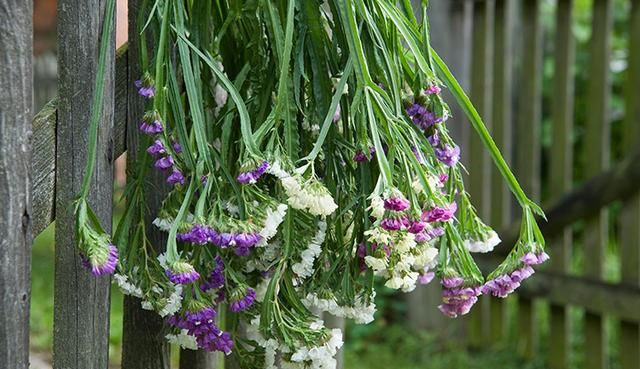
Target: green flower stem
<point x="482" y="131"/>
<point x="98" y="97"/>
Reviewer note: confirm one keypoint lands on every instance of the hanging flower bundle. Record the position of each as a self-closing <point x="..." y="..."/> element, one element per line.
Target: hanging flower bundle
<point x="306" y="149"/>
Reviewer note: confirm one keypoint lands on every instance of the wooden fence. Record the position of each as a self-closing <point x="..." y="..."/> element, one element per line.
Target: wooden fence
<point x="493" y="45"/>
<point x="497" y="49"/>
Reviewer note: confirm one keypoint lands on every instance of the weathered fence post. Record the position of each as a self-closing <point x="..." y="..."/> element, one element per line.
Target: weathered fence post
<point x="143" y="342"/>
<point x="502" y="130"/>
<point x="630" y="217"/>
<point x="528" y="132"/>
<point x="597" y="144"/>
<point x="479" y="163"/>
<point x="81" y="313"/>
<point x="16" y="110"/>
<point x="561" y="174"/>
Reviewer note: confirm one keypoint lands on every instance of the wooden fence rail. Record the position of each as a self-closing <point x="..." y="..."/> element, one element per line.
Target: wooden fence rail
<point x="506" y="52"/>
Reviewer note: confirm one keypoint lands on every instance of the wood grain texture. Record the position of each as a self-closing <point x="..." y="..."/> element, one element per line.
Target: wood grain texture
<point x="44" y="145"/>
<point x="144" y="344"/>
<point x="560" y="179"/>
<point x="81" y="301"/>
<point x="630" y="216"/>
<point x="16" y="109"/>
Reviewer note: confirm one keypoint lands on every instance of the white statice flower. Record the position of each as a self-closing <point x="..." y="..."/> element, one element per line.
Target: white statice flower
<point x="127" y="287"/>
<point x="377" y="207"/>
<point x="376" y="264"/>
<point x="486" y="245"/>
<point x="220" y="95"/>
<point x="276" y="170"/>
<point x="233" y="209"/>
<point x="304" y="268"/>
<point x="173" y="302"/>
<point x="319" y="357"/>
<point x="146" y="305"/>
<point x="273" y="219"/>
<point x="271" y="346"/>
<point x="378" y="235"/>
<point x="183" y="339"/>
<point x="406" y="282"/>
<point x="406" y="244"/>
<point x="427" y="259"/>
<point x="163" y="224"/>
<point x="361" y="312"/>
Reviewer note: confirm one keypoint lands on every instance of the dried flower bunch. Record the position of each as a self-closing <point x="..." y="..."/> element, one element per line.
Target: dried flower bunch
<point x="307" y="151"/>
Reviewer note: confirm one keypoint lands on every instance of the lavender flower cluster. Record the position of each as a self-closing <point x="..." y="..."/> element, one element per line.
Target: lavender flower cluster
<point x="102" y="264"/>
<point x="201" y="324"/>
<point x="252" y="175"/>
<point x="242" y="242"/>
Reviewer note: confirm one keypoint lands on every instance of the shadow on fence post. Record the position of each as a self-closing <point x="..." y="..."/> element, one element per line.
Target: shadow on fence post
<point x="81" y="311"/>
<point x="16" y="110"/>
<point x="143" y="342"/>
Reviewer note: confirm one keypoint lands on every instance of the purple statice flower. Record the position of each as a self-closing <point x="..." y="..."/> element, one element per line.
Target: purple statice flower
<point x="458" y="300"/>
<point x="436" y="232"/>
<point x="181" y="273"/>
<point x="396" y="203"/>
<point x="223" y="240"/>
<point x="175" y="177"/>
<point x="505" y="284"/>
<point x="156" y="148"/>
<point x="434" y="139"/>
<point x="216" y="278"/>
<point x="107" y="264"/>
<point x="432" y="90"/>
<point x="417" y="227"/>
<point x="200" y="323"/>
<point x="145" y="88"/>
<point x="393" y="224"/>
<point x="534" y="259"/>
<point x="176" y="147"/>
<point x="243" y="300"/>
<point x="426" y="278"/>
<point x="203" y="180"/>
<point x="151" y="125"/>
<point x="421" y="116"/>
<point x="440" y="214"/>
<point x="448" y="155"/>
<point x="360" y="157"/>
<point x="243" y="242"/>
<point x="423" y="237"/>
<point x="164" y="163"/>
<point x="443" y="178"/>
<point x="452" y="282"/>
<point x="253" y="175"/>
<point x="198" y="234"/>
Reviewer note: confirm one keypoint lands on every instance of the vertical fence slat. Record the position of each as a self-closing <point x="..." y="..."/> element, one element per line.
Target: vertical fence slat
<point x="528" y="144"/>
<point x="479" y="189"/>
<point x="560" y="177"/>
<point x="16" y="110"/>
<point x="502" y="112"/>
<point x="144" y="345"/>
<point x="630" y="217"/>
<point x="81" y="311"/>
<point x="597" y="141"/>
